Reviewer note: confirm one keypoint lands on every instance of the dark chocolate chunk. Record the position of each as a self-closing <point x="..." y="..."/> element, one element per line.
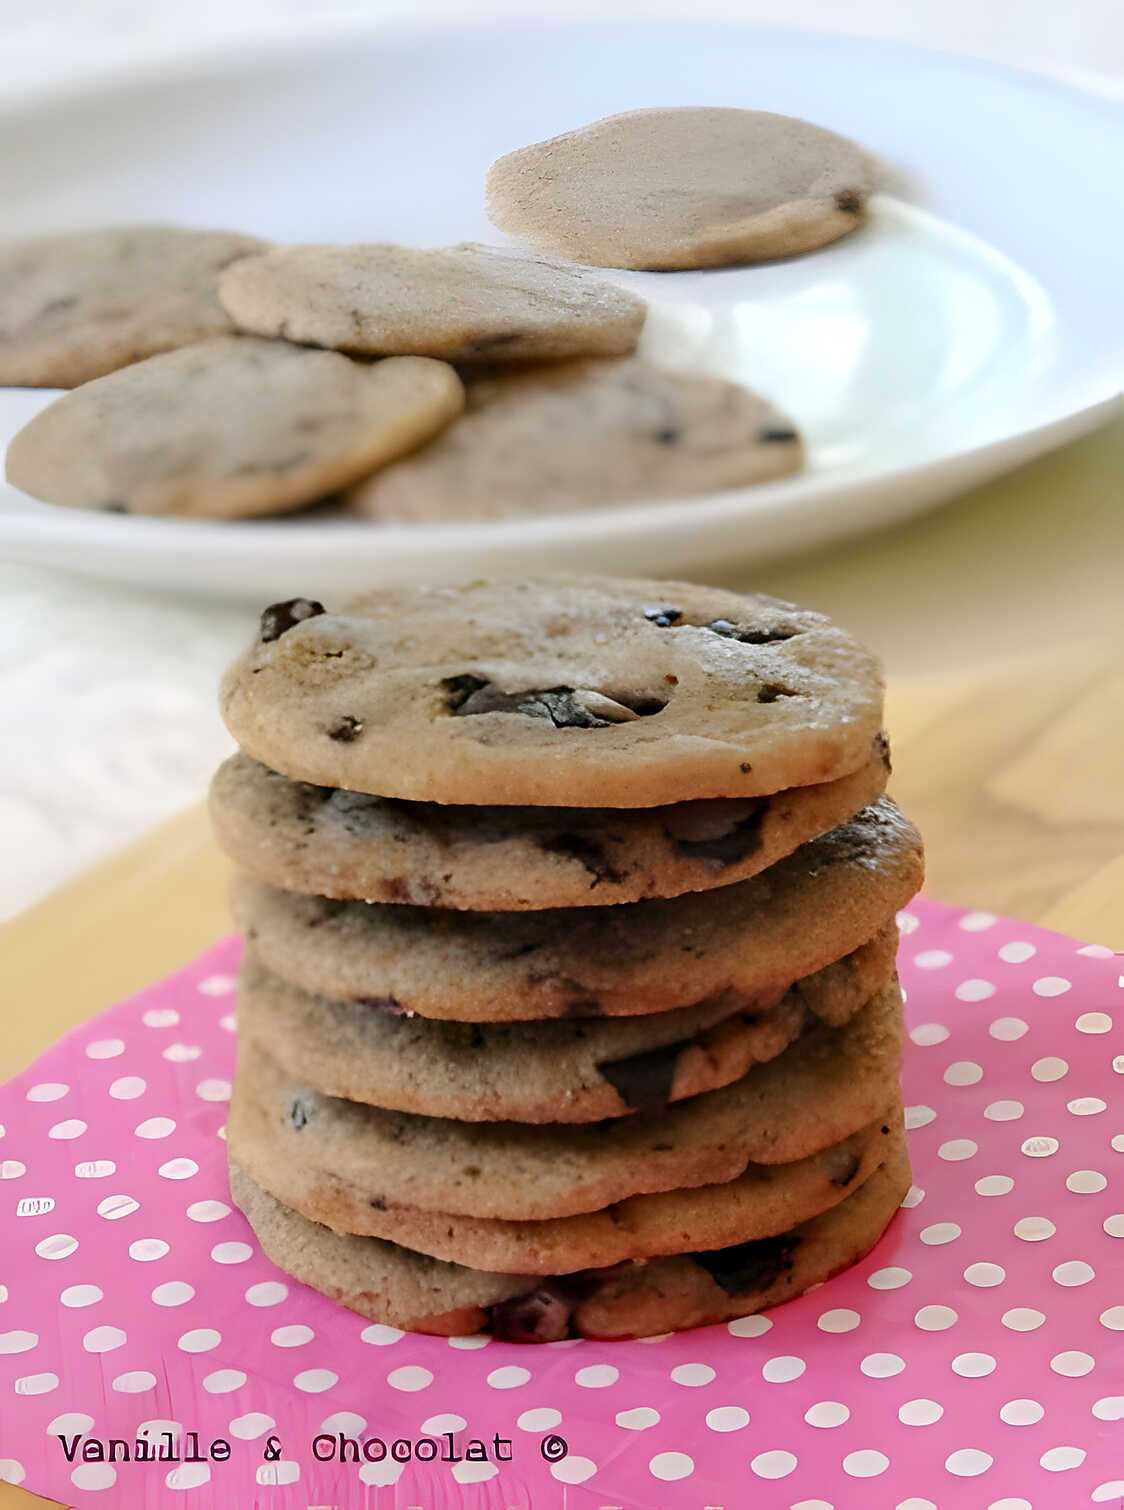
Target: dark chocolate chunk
<point x="662" y="614"/>
<point x="541" y="1316"/>
<point x="882" y="750"/>
<point x="749" y="1267"/>
<point x="279" y="618"/>
<point x="558" y="705"/>
<point x="389" y="1004"/>
<point x="586" y="851"/>
<point x="769" y="692"/>
<point x="849" y="202"/>
<point x="300" y="1112"/>
<point x="668" y="436"/>
<point x="644" y="1081"/>
<point x="849" y="1166"/>
<point x="742" y="839"/>
<point x="346" y="729"/>
<point x="459" y="689"/>
<point x="777" y="435"/>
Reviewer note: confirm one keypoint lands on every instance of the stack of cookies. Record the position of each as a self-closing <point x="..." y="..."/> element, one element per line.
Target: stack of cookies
<point x="568" y="1005"/>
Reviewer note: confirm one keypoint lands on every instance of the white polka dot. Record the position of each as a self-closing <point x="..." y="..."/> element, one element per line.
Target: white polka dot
<point x="216" y="985"/>
<point x="1021" y="1413"/>
<point x="597" y="1376"/>
<point x="510" y="1377"/>
<point x="692" y="1374"/>
<point x="1004" y="1111"/>
<point x="1074" y="1272"/>
<point x="199" y="1340"/>
<point x="178" y="1169"/>
<point x="892" y="1278"/>
<point x="410" y="1378"/>
<point x="291" y="1336"/>
<point x="670" y="1466"/>
<point x="65" y="1132"/>
<point x="1058" y="1459"/>
<point x="926" y="1034"/>
<point x="1049" y="1068"/>
<point x="231" y="1253"/>
<point x="94" y="1476"/>
<point x="160" y="1017"/>
<point x="749" y="1326"/>
<point x="1118" y="1142"/>
<point x="1086" y="1106"/>
<point x="477" y="1340"/>
<point x="1085" y="1182"/>
<point x="352" y="1425"/>
<point x="1051" y="985"/>
<point x="1022" y="1319"/>
<point x="113" y="1207"/>
<point x="932" y="959"/>
<point x="58" y="1245"/>
<point x="270" y="1292"/>
<point x="188" y="1476"/>
<point x="12" y="1169"/>
<point x="1016" y="952"/>
<point x="48" y="1090"/>
<point x="727" y="1418"/>
<point x="35" y="1384"/>
<point x="995" y="1184"/>
<point x="1096" y="951"/>
<point x="1114" y="1225"/>
<point x="812" y="1505"/>
<point x="826" y="1413"/>
<point x="958" y="1149"/>
<point x="918" y="1116"/>
<point x="974" y="990"/>
<point x="314" y="1381"/>
<point x="77" y="1296"/>
<point x="18" y="1342"/>
<point x="935" y="1318"/>
<point x="908" y="922"/>
<point x="11" y="1471"/>
<point x="128" y="1088"/>
<point x="939" y="1234"/>
<point x="866" y="1463"/>
<point x="1008" y="1503"/>
<point x="176" y="1292"/>
<point x="474" y="1473"/>
<point x="783" y="1369"/>
<point x="252" y="1425"/>
<point x="542" y="1419"/>
<point x="213" y="1090"/>
<point x="207" y="1211"/>
<point x="182" y="1053"/>
<point x="377" y="1334"/>
<point x="1072" y="1364"/>
<point x="1104" y="1494"/>
<point x="573" y="1470"/>
<point x="920" y="1412"/>
<point x="137" y="1381"/>
<point x="984" y="1276"/>
<point x="882" y="1365"/>
<point x="228" y="1022"/>
<point x="1113" y="1318"/>
<point x="104" y="1339"/>
<point x="1034" y="1229"/>
<point x="639" y="1419"/>
<point x="224" y="1381"/>
<point x="1110" y="1408"/>
<point x="1094" y="1022"/>
<point x="1039" y="1147"/>
<point x="839" y="1320"/>
<point x="973" y="1365"/>
<point x="1008" y="1029"/>
<point x="105" y="1048"/>
<point x="773" y="1465"/>
<point x="913" y="1197"/>
<point x="147" y="1250"/>
<point x="155" y="1127"/>
<point x="968" y="1462"/>
<point x="281" y="1472"/>
<point x="976" y="922"/>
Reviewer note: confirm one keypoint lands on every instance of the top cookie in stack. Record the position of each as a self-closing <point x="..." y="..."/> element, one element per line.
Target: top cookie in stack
<point x="569" y="1005"/>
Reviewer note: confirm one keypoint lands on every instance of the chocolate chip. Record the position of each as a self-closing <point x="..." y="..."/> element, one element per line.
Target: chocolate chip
<point x="743" y="839"/>
<point x="389" y="1004"/>
<point x="459" y="689"/>
<point x="279" y="618"/>
<point x="377" y="1203"/>
<point x="644" y="1081"/>
<point x="745" y="768"/>
<point x="564" y="707"/>
<point x="346" y="730"/>
<point x="300" y="1113"/>
<point x="747" y="1267"/>
<point x="777" y="435"/>
<point x="849" y="1166"/>
<point x="770" y="692"/>
<point x="849" y="202"/>
<point x="541" y="1316"/>
<point x="662" y="614"/>
<point x="668" y="436"/>
<point x="882" y="750"/>
<point x="114" y="507"/>
<point x="586" y="851"/>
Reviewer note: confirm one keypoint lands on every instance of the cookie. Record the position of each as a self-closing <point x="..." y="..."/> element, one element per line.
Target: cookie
<point x="398" y="1287"/>
<point x="80" y="304"/>
<point x="561" y="692"/>
<point x="229" y="428"/>
<point x="462" y="303"/>
<point x="578" y="1071"/>
<point x="680" y="188"/>
<point x="828" y="1085"/>
<point x="333" y="843"/>
<point x="764" y="1199"/>
<point x="570" y="437"/>
<point x="747" y="942"/>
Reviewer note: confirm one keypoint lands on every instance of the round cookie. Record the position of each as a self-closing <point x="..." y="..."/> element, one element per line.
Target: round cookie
<point x="228" y="428"/>
<point x="462" y="303"/>
<point x="763" y="1200"/>
<point x="77" y="305"/>
<point x="563" y="692"/>
<point x="575" y="436"/>
<point x="828" y="1085"/>
<point x="680" y="188"/>
<point x="398" y="1287"/>
<point x="747" y="942"/>
<point x="351" y="846"/>
<point x="582" y="1070"/>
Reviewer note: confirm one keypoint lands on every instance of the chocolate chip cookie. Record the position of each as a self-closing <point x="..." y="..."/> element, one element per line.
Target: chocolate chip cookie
<point x="681" y="188"/>
<point x="461" y="303"/>
<point x="228" y="428"/>
<point x="595" y="692"/>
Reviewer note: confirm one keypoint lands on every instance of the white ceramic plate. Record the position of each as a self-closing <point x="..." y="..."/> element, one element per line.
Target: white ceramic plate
<point x="974" y="323"/>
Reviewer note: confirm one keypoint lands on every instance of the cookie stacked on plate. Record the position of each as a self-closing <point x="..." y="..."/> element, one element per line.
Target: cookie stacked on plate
<point x="568" y="1005"/>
